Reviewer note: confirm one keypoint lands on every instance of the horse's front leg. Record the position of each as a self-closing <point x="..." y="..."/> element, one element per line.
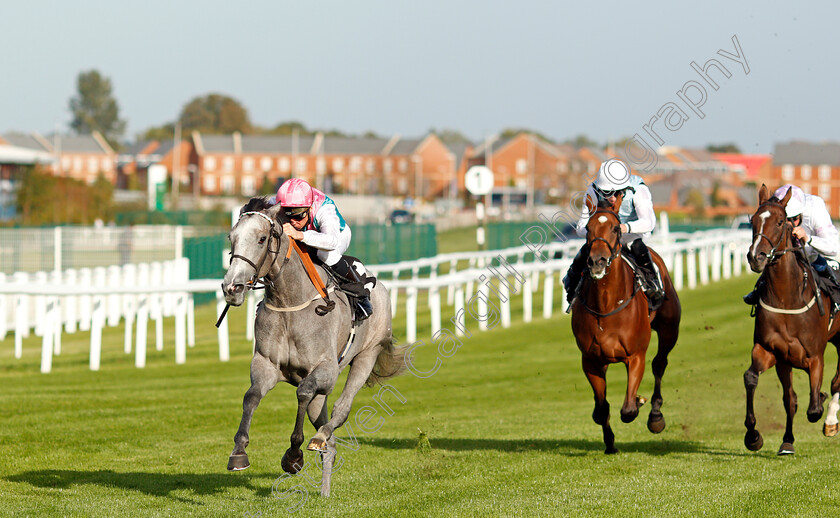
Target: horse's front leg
<point x="632" y="401"/>
<point x="785" y="373"/>
<point x="318" y="382"/>
<point x="596" y="373"/>
<point x="817" y="400"/>
<point x="761" y="361"/>
<point x="263" y="378"/>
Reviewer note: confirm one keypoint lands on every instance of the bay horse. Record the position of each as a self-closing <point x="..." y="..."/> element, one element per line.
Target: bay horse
<point x="793" y="321"/>
<point x="611" y="322"/>
<point x="297" y="342"/>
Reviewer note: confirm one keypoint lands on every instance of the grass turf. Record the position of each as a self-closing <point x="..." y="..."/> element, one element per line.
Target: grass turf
<point x="507" y="418"/>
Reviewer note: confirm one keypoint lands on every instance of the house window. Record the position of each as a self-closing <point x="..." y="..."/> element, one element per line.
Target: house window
<point x="284" y="164"/>
<point x="77" y="164"/>
<point x="265" y="164"/>
<point x="825" y="172"/>
<point x="210" y="164"/>
<point x="248" y="164"/>
<point x="228" y="184"/>
<point x="302" y="166"/>
<point x="209" y="183"/>
<point x="93" y="164"/>
<point x="249" y="186"/>
<point x="806" y="188"/>
<point x="338" y="165"/>
<point x="320" y="165"/>
<point x="66" y="163"/>
<point x="825" y="192"/>
<point x="386" y="166"/>
<point x="402" y="186"/>
<point x="521" y="165"/>
<point x="107" y="165"/>
<point x="356" y="164"/>
<point x="787" y="172"/>
<point x="805" y="171"/>
<point x="403" y="166"/>
<point x="370" y="165"/>
<point x="227" y="165"/>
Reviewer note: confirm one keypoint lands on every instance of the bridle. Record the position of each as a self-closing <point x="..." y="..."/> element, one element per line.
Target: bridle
<point x="772" y="256"/>
<point x="255" y="281"/>
<point x="614" y="250"/>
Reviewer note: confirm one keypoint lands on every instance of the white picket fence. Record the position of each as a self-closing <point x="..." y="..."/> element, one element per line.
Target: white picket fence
<point x="474" y="283"/>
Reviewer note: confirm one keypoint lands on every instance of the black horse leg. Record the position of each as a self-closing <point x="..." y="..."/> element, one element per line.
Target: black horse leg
<point x="319" y="382"/>
<point x="596" y="374"/>
<point x="761" y="361"/>
<point x="263" y="378"/>
<point x="785" y="373"/>
<point x="667" y="340"/>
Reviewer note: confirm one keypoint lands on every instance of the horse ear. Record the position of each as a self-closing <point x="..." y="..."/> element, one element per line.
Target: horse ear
<point x="274" y="212"/>
<point x="589" y="205"/>
<point x="763" y="194"/>
<point x="786" y="198"/>
<point x="618" y="199"/>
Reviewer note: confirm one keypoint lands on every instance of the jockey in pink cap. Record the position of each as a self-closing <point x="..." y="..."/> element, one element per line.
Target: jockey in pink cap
<point x="813" y="227"/>
<point x="315" y="220"/>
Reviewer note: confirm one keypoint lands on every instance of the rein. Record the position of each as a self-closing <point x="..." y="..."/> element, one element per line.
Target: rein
<point x="255" y="282"/>
<point x="622" y="304"/>
<point x="772" y="256"/>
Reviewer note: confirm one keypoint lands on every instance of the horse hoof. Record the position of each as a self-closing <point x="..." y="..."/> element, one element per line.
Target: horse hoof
<point x="786" y="449"/>
<point x="830" y="430"/>
<point x="317" y="444"/>
<point x="611" y="450"/>
<point x="753" y="441"/>
<point x="656" y="423"/>
<point x="291" y="462"/>
<point x="238" y="462"/>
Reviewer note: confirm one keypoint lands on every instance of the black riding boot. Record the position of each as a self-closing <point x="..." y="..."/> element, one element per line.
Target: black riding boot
<point x="356" y="284"/>
<point x="752" y="297"/>
<point x="653" y="284"/>
<point x="572" y="279"/>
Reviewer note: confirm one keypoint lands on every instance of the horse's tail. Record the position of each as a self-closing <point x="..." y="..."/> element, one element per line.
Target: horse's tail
<point x="388" y="364"/>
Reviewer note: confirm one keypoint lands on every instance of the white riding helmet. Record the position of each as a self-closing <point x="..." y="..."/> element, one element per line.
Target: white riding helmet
<point x="614" y="175"/>
<point x="796" y="203"/>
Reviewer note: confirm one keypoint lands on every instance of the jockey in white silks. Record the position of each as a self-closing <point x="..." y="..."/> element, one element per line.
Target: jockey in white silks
<point x="813" y="227"/>
<point x="637" y="222"/>
<point x="316" y="222"/>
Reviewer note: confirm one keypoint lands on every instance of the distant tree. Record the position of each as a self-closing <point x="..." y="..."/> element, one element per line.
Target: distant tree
<point x="450" y="136"/>
<point x="509" y="133"/>
<point x="43" y="199"/>
<point x="165" y="132"/>
<point x="715" y="198"/>
<point x="214" y="113"/>
<point x="289" y="127"/>
<point x="267" y="188"/>
<point x="370" y="134"/>
<point x="697" y="201"/>
<point x="723" y="148"/>
<point x="94" y="107"/>
<point x="581" y="141"/>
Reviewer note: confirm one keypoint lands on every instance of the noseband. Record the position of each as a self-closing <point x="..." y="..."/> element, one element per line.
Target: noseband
<point x="614" y="250"/>
<point x="272" y="235"/>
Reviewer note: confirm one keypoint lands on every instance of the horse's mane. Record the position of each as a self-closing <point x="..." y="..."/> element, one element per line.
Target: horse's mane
<point x="262" y="204"/>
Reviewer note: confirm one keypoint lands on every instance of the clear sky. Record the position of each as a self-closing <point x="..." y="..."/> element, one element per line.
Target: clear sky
<point x="599" y="68"/>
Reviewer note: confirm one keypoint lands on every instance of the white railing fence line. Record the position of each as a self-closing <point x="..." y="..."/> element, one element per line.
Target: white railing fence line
<point x="91" y="299"/>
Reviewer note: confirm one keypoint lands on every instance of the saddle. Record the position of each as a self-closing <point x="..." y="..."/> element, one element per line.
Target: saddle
<point x="643" y="277"/>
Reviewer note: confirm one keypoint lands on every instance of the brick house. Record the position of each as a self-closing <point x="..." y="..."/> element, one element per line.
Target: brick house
<point x="526" y="162"/>
<point x="83" y="157"/>
<point x="813" y="167"/>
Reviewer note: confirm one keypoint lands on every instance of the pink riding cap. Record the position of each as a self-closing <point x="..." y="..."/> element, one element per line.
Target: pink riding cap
<point x="295" y="193"/>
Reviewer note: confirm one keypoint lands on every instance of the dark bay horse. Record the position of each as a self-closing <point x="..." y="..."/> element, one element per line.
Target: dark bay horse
<point x="790" y="329"/>
<point x="297" y="344"/>
<point x="611" y="322"/>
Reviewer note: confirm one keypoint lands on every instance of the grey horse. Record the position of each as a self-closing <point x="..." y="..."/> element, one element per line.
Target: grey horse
<point x="297" y="344"/>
